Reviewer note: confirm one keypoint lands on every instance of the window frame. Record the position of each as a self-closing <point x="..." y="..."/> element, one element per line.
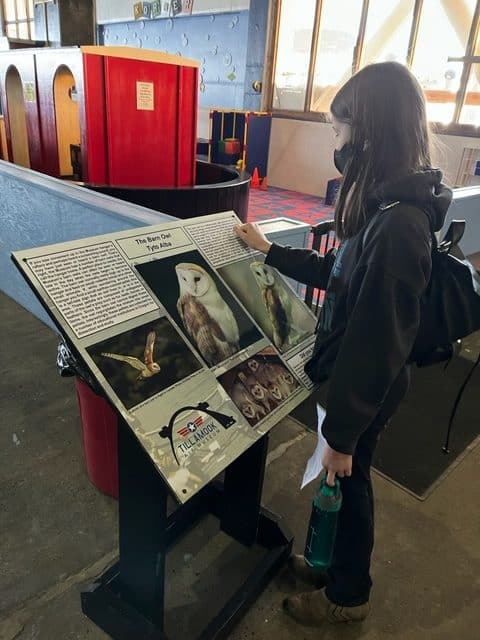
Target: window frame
<point x="468" y="60"/>
<point x="29" y="6"/>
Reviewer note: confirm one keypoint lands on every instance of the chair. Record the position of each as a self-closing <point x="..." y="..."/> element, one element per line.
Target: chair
<point x="323" y="240"/>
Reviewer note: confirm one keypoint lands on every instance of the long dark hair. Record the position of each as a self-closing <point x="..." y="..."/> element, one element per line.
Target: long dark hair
<point x="385" y="106"/>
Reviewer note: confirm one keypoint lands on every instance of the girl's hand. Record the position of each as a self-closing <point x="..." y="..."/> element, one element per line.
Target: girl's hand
<point x="252" y="236"/>
<point x="336" y="463"/>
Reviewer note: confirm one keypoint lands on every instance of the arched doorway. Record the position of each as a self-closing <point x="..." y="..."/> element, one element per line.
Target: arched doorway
<point x="67" y="119"/>
<point x="17" y="118"/>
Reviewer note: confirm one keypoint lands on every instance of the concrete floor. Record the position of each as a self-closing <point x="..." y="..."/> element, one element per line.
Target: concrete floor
<point x="58" y="532"/>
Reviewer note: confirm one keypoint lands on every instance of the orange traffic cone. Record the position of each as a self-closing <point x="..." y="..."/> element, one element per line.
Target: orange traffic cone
<point x="264" y="184"/>
<point x="255" y="181"/>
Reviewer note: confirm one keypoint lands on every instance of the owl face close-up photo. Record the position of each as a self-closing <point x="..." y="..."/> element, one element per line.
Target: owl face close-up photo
<point x="192" y="279"/>
<point x="263" y="275"/>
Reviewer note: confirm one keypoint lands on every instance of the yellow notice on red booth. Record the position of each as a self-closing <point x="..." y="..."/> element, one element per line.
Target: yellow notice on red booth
<point x="145" y="96"/>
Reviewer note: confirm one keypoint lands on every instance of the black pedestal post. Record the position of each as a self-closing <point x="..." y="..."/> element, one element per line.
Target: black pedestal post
<point x="142" y="514"/>
<point x="127" y="601"/>
<point x="243" y="493"/>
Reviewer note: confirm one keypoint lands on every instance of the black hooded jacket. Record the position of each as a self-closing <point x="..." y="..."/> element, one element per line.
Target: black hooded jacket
<point x="371" y="311"/>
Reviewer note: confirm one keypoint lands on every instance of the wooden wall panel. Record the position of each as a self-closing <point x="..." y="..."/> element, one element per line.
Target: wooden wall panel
<point x="54" y="66"/>
<point x="94" y="142"/>
<point x="21" y="112"/>
<point x="142" y="116"/>
<point x="187" y="125"/>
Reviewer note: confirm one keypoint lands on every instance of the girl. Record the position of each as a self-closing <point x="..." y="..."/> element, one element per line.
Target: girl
<point x="390" y="203"/>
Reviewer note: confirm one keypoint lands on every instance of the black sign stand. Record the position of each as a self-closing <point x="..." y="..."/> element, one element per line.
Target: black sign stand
<point x="127" y="601"/>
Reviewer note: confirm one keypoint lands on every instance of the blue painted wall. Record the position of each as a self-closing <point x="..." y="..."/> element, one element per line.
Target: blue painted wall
<point x="230" y="47"/>
<point x="218" y="41"/>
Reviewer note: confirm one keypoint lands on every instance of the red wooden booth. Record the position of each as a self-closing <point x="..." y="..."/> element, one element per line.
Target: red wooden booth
<point x="114" y="116"/>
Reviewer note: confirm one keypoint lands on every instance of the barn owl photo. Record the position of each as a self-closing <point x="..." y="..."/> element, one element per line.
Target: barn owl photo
<point x="277" y="303"/>
<point x="148" y="367"/>
<point x="207" y="318"/>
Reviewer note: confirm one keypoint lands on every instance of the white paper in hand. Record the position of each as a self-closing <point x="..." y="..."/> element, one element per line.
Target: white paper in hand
<point x="314" y="465"/>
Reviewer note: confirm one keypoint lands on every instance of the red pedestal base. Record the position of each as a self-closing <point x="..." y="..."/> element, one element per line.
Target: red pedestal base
<point x="100" y="439"/>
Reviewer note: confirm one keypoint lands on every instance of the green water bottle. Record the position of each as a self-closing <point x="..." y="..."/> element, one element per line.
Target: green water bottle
<point x="323" y="525"/>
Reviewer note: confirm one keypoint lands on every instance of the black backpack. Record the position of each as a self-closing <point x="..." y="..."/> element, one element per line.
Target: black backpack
<point x="450" y="306"/>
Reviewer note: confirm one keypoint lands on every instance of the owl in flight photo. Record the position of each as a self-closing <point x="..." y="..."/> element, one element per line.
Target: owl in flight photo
<point x="148" y="367"/>
<point x="207" y="318"/>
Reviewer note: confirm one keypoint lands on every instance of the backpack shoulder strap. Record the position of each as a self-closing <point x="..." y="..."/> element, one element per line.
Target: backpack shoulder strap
<point x="453" y="236"/>
<point x="381" y="209"/>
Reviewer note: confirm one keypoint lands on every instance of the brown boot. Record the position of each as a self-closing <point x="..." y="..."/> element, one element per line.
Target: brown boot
<point x="299" y="569"/>
<point x="314" y="608"/>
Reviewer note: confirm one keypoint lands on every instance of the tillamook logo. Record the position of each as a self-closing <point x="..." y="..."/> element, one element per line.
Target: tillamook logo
<point x="191" y="427"/>
<point x="195" y="432"/>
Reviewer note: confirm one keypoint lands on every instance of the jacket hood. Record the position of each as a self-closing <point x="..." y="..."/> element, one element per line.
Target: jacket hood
<point x="424" y="189"/>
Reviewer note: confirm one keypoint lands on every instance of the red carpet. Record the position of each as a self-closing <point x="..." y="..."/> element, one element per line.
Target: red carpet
<point x="282" y="203"/>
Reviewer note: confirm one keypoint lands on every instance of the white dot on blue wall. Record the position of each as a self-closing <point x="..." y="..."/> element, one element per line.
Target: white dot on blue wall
<point x="184" y="40"/>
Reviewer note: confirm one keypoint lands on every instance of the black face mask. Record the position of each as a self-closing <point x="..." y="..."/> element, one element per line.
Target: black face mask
<point x="342" y="156"/>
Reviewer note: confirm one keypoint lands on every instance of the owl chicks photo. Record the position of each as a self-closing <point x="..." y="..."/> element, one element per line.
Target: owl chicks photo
<point x="259" y="385"/>
<point x="201" y="305"/>
<point x="141" y="362"/>
<point x="280" y="313"/>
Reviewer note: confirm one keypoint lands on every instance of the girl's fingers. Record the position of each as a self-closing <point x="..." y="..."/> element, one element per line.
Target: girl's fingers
<point x="331" y="478"/>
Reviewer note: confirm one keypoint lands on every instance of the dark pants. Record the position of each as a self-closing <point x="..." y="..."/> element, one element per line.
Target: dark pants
<point x="349" y="576"/>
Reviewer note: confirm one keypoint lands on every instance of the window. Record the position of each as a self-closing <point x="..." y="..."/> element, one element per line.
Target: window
<point x="387" y="31"/>
<point x="470" y="110"/>
<point x="470" y="113"/>
<point x="335" y="49"/>
<point x="320" y="43"/>
<point x="293" y="55"/>
<point x="440" y="78"/>
<point x="18" y="19"/>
